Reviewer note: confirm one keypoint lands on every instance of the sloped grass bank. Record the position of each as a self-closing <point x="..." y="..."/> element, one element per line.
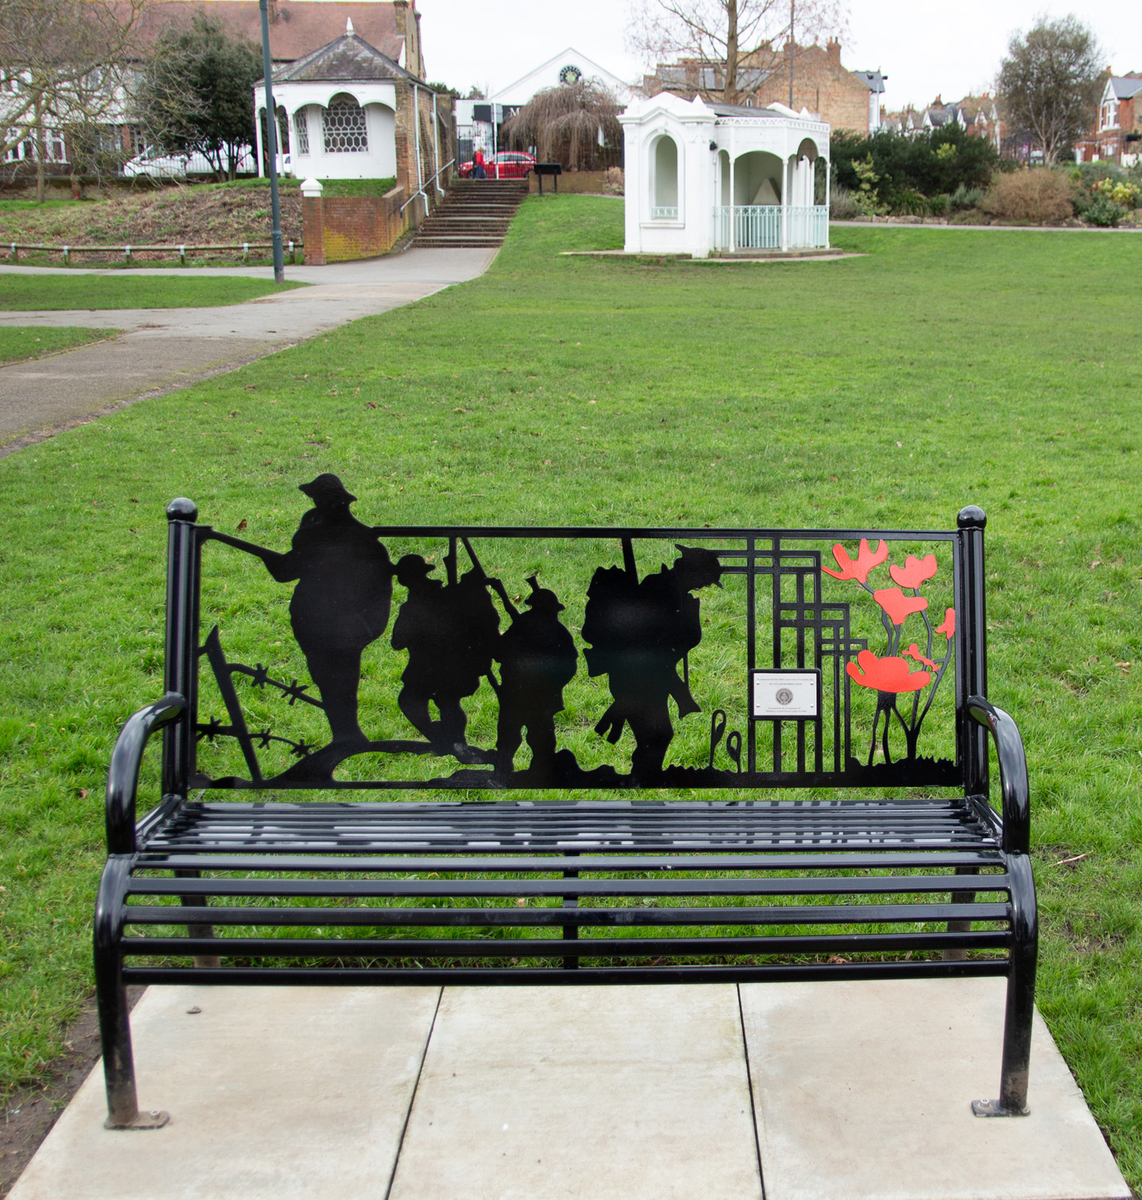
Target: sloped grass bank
<point x="21" y="342"/>
<point x="64" y="293"/>
<point x="887" y="390"/>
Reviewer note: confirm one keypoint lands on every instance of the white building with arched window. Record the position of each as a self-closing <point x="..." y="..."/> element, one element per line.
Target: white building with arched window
<point x="704" y="178"/>
<point x="347" y="111"/>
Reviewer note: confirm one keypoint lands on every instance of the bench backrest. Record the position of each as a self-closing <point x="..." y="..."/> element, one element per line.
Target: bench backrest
<point x="573" y="658"/>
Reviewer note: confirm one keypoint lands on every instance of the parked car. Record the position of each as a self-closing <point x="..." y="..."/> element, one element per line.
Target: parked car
<point x="155" y="163"/>
<point x="508" y="164"/>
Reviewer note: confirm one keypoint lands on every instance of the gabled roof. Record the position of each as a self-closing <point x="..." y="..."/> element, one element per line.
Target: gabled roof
<point x="348" y="59"/>
<point x="522" y="90"/>
<point x="874" y="80"/>
<point x="1125" y="86"/>
<point x="295" y="28"/>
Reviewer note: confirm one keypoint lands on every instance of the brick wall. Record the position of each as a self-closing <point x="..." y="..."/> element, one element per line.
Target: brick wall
<point x="405" y="132"/>
<point x="821" y="85"/>
<point x="572" y="182"/>
<point x="342" y="228"/>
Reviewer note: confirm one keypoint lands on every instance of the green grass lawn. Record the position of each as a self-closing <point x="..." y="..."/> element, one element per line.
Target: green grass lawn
<point x="888" y="390"/>
<point x="27" y="293"/>
<point x="30" y="341"/>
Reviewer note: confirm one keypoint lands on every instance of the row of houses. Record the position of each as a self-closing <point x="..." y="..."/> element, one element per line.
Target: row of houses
<point x="1117" y="135"/>
<point x="352" y="96"/>
<point x="352" y="99"/>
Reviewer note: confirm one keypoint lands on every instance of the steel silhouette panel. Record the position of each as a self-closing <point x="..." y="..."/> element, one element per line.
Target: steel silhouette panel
<point x="598" y="658"/>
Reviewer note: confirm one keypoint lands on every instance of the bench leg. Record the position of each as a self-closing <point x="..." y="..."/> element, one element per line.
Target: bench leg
<point x="114" y="1012"/>
<point x="960" y="926"/>
<point x="198" y="931"/>
<point x="1012" y="1100"/>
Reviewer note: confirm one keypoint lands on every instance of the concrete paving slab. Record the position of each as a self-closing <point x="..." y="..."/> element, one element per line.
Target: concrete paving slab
<point x="616" y="1092"/>
<point x="863" y="1092"/>
<point x="274" y="1093"/>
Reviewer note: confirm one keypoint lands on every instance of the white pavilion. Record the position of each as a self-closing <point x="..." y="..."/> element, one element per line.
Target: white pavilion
<point x="706" y="178"/>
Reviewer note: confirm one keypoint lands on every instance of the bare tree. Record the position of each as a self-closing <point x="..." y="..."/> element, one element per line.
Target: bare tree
<point x="737" y="40"/>
<point x="1050" y="81"/>
<point x="65" y="69"/>
<point x="572" y="123"/>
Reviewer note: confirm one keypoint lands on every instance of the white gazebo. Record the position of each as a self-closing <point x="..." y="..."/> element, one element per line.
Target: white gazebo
<point x="703" y="178"/>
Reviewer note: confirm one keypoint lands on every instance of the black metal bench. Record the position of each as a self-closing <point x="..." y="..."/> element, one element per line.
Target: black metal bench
<point x="799" y="693"/>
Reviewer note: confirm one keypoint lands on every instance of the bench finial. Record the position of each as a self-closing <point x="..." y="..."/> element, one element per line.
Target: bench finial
<point x="971" y="517"/>
<point x="182" y="509"/>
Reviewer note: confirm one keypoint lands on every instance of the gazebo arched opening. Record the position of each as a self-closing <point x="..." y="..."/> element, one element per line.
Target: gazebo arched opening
<point x="664" y="179"/>
<point x="821" y="181"/>
<point x="343" y="126"/>
<point x="757" y="191"/>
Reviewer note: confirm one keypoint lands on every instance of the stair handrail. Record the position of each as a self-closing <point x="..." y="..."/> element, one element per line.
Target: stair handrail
<point x="421" y="192"/>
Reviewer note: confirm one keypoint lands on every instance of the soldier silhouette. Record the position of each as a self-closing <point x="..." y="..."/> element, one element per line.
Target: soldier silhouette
<point x="639" y="632"/>
<point x="537" y="658"/>
<point x="342" y="599"/>
<point x="450" y="633"/>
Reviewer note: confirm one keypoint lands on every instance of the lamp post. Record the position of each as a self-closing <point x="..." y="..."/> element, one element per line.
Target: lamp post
<point x="792" y="4"/>
<point x="272" y="146"/>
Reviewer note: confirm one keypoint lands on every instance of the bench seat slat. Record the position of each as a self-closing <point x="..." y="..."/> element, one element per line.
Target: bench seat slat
<point x="837" y="860"/>
<point x="510" y="947"/>
<point x="322" y="833"/>
<point x="833" y="914"/>
<point x="452" y="976"/>
<point x="496" y="888"/>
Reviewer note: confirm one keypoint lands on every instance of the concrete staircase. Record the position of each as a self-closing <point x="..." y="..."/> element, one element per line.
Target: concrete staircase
<point x="474" y="212"/>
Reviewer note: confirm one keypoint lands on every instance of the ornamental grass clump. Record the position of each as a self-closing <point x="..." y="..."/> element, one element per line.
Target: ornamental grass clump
<point x="1032" y="196"/>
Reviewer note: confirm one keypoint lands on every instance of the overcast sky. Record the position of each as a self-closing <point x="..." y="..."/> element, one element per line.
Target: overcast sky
<point x="925" y="49"/>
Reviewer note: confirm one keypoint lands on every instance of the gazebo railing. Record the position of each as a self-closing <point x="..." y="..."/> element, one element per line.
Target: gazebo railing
<point x="808" y="227"/>
<point x="758" y="226"/>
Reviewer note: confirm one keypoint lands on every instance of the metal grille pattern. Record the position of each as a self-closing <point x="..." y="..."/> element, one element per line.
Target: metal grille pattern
<point x="344" y="124"/>
<point x="301" y="129"/>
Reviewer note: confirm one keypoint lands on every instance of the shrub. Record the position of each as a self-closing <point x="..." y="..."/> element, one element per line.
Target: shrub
<point x="965" y="197"/>
<point x="866" y="196"/>
<point x="1032" y="196"/>
<point x="932" y="163"/>
<point x="907" y="202"/>
<point x="842" y="204"/>
<point x="1119" y="190"/>
<point x="1103" y="211"/>
<point x="614" y="181"/>
<point x="939" y="206"/>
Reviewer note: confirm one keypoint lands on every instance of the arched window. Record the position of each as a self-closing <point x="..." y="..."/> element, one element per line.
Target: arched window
<point x="301" y="129"/>
<point x="345" y="127"/>
<point x="664" y="197"/>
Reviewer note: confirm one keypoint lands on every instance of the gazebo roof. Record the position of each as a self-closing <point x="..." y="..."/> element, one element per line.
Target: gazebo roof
<point x="745" y="110"/>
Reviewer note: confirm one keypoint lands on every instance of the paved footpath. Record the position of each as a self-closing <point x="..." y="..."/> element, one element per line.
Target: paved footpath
<point x="166" y="348"/>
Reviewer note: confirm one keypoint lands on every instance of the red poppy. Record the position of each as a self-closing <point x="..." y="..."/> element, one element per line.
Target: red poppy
<point x="949" y="625"/>
<point x="898" y="605"/>
<point x="913" y="651"/>
<point x="866" y="560"/>
<point x="886" y="674"/>
<point x="914" y="571"/>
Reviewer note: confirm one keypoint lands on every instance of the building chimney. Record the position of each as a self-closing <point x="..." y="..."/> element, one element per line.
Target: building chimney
<point x="833" y="48"/>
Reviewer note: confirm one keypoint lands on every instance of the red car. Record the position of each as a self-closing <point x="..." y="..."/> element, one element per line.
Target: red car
<point x="508" y="164"/>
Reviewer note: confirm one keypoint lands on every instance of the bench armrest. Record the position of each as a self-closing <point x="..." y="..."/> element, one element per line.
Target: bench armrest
<point x="1013" y="785"/>
<point x="126" y="759"/>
